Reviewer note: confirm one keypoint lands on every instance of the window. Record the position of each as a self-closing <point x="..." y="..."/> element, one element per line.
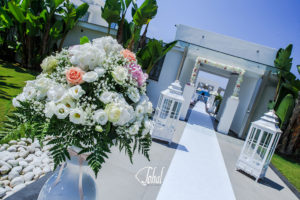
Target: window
<point x="155" y="72"/>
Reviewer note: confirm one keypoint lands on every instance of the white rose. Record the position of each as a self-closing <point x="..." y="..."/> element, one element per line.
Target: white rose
<point x="90" y="76"/>
<point x="100" y="117"/>
<point x="127" y="114"/>
<point x="61" y="111"/>
<point x="77" y="116"/>
<point x="50" y="108"/>
<point x="113" y="112"/>
<point x="100" y="71"/>
<point x="55" y="92"/>
<point x="120" y="74"/>
<point x="76" y="92"/>
<point x="133" y="94"/>
<point x="107" y="97"/>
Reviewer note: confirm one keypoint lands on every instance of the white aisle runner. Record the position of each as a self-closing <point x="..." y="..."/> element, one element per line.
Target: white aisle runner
<point x="200" y="173"/>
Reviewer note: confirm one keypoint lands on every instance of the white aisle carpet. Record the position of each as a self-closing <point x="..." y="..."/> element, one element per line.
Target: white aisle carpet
<point x="200" y="172"/>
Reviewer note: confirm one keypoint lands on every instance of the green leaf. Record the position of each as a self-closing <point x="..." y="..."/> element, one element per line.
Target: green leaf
<point x="81" y="10"/>
<point x="16" y="12"/>
<point x="298" y="67"/>
<point x="111" y="11"/>
<point x="145" y="12"/>
<point x="283" y="61"/>
<point x="153" y="52"/>
<point x="84" y="40"/>
<point x="56" y="29"/>
<point x="25" y="4"/>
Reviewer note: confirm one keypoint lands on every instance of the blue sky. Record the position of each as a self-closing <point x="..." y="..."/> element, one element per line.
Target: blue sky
<point x="274" y="23"/>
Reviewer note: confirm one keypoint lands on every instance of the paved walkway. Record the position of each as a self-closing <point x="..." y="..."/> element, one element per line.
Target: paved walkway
<point x="199" y="173"/>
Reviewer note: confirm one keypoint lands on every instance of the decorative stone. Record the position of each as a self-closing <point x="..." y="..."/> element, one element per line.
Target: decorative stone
<point x="46" y="169"/>
<point x="38" y="153"/>
<point x="29" y="168"/>
<point x="13" y="174"/>
<point x="29" y="182"/>
<point x="12" y="149"/>
<point x="4" y="177"/>
<point x="46" y="160"/>
<point x="4" y="169"/>
<point x="12" y="142"/>
<point x="28" y="176"/>
<point x="37" y="172"/>
<point x="2" y="163"/>
<point x="23" y="163"/>
<point x="19" y="187"/>
<point x="24" y="154"/>
<point x="13" y="163"/>
<point x="36" y="144"/>
<point x="22" y="143"/>
<point x="2" y="192"/>
<point x="7" y="188"/>
<point x="17" y="181"/>
<point x="29" y="158"/>
<point x="31" y="149"/>
<point x="21" y="149"/>
<point x="6" y="182"/>
<point x="17" y="169"/>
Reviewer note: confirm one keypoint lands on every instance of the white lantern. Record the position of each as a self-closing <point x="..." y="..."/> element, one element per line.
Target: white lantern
<point x="259" y="146"/>
<point x="167" y="112"/>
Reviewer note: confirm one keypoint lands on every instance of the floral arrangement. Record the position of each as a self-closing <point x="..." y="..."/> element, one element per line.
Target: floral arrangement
<point x="90" y="96"/>
<point x="229" y="68"/>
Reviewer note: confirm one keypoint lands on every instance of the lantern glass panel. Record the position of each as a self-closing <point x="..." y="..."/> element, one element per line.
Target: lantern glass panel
<point x="159" y="101"/>
<point x="177" y="111"/>
<point x="165" y="108"/>
<point x="174" y="109"/>
<point x="248" y="144"/>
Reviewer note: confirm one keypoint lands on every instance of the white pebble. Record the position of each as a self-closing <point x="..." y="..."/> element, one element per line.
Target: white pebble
<point x="17" y="181"/>
<point x="28" y="176"/>
<point x="29" y="168"/>
<point x="23" y="163"/>
<point x="2" y="192"/>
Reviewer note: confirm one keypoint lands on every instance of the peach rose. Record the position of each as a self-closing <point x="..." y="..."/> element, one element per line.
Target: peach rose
<point x="129" y="55"/>
<point x="74" y="75"/>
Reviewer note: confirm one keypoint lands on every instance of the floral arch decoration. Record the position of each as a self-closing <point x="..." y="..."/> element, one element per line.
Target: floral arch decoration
<point x="236" y="70"/>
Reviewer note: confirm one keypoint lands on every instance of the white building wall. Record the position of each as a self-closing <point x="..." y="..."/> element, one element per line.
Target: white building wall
<point x="167" y="75"/>
<point x="228" y="93"/>
<point x="73" y="37"/>
<point x="247" y="89"/>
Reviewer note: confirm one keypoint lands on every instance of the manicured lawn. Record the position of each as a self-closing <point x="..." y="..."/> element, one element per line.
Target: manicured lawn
<point x="290" y="169"/>
<point x="12" y="80"/>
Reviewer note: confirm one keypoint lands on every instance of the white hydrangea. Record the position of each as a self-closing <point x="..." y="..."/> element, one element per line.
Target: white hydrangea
<point x="18" y="98"/>
<point x="76" y="92"/>
<point x="148" y="124"/>
<point x="77" y="116"/>
<point x="86" y="56"/>
<point x="42" y="85"/>
<point x="108" y="44"/>
<point x="29" y="92"/>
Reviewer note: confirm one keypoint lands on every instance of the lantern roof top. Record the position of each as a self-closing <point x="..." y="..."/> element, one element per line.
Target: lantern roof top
<point x="174" y="91"/>
<point x="269" y="121"/>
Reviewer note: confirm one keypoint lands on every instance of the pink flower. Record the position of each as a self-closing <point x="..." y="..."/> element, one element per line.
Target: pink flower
<point x="74" y="75"/>
<point x="137" y="73"/>
<point x="129" y="55"/>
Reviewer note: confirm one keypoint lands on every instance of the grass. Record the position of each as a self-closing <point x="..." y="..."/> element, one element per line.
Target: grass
<point x="289" y="168"/>
<point x="12" y="81"/>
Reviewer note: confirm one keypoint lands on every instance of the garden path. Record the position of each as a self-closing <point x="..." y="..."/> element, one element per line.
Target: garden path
<point x="199" y="172"/>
